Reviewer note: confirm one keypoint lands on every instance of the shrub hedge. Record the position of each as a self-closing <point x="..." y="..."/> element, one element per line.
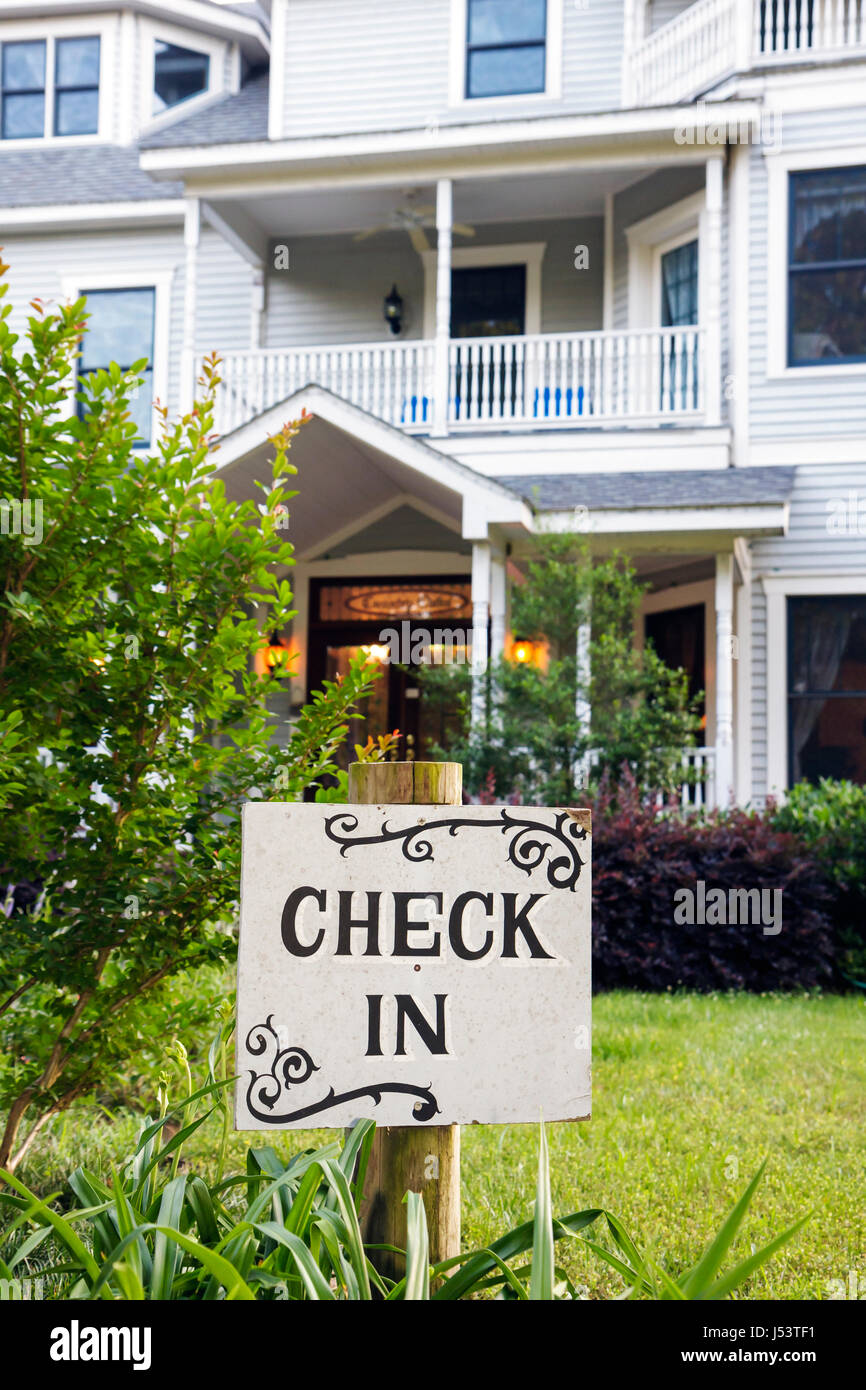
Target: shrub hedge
<point x="645" y="866"/>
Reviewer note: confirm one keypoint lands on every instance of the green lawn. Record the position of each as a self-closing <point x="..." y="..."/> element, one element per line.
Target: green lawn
<point x="690" y="1093"/>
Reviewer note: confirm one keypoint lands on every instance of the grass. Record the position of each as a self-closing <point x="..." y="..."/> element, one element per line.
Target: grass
<point x="690" y="1093"/>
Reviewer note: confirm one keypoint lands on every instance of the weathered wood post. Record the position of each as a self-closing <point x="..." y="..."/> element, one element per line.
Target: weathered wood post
<point x="426" y="1158"/>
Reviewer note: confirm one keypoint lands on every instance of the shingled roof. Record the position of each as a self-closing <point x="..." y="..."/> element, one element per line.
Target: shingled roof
<point x="716" y="487"/>
<point x="231" y="120"/>
<point x="77" y="174"/>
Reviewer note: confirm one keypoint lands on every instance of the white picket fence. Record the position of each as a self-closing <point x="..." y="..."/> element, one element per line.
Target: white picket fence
<point x="550" y="378"/>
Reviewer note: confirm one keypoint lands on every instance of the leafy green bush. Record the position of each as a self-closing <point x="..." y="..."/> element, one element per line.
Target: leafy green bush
<point x="831" y="819"/>
<point x="603" y="702"/>
<point x="133" y="723"/>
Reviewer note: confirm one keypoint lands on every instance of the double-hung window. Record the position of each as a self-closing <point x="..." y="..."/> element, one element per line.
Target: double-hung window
<point x="505" y="47"/>
<point x="120" y="329"/>
<point x="36" y="105"/>
<point x="827" y="687"/>
<point x="827" y="267"/>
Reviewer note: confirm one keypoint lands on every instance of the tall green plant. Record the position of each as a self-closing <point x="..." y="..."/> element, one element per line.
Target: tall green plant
<point x="594" y="703"/>
<point x="132" y="721"/>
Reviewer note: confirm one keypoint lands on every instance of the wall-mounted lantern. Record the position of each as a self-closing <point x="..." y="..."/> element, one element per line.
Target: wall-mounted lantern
<point x="393" y="309"/>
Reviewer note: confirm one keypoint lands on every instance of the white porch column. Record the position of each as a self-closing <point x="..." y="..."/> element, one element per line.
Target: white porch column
<point x="481" y="574"/>
<point x="191" y="237"/>
<point x="498" y="605"/>
<point x="257" y="307"/>
<point x="724" y="679"/>
<point x="712" y="273"/>
<point x="444" y="219"/>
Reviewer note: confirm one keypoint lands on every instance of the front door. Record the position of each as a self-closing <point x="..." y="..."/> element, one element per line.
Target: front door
<point x="349" y="616"/>
<point x="486" y="302"/>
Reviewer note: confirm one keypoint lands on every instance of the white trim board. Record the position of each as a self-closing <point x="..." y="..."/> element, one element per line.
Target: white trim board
<point x="528" y="253"/>
<point x="136" y="278"/>
<point x="778" y="588"/>
<point x="647" y="241"/>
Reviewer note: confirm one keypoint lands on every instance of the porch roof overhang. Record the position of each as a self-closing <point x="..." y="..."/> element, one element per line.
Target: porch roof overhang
<point x="353" y="468"/>
<point x="228" y="166"/>
<point x="687" y="510"/>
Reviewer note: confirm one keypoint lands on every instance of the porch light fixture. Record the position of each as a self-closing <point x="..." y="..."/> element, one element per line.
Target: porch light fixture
<point x="526" y="653"/>
<point x="393" y="308"/>
<point x="276" y="653"/>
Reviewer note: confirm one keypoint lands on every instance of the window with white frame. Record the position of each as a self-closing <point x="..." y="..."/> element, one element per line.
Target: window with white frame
<point x="49" y="86"/>
<point x="506" y="47"/>
<point x="120" y="329"/>
<point x="826" y="687"/>
<point x="827" y="266"/>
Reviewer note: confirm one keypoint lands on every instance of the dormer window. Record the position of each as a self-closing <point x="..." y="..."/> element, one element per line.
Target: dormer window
<point x="505" y="47"/>
<point x="178" y="74"/>
<point x="32" y="106"/>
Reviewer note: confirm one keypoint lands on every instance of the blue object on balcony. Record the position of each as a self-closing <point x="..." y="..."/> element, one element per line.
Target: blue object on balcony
<point x="415" y="410"/>
<point x="565" y="404"/>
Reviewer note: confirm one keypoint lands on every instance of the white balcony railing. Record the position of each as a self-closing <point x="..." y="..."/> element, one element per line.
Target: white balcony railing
<point x="788" y="27"/>
<point x="685" y="55"/>
<point x="712" y="38"/>
<point x="568" y="379"/>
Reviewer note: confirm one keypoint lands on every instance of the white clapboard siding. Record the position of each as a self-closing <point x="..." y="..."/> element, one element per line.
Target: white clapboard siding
<point x="351" y="67"/>
<point x="792" y="407"/>
<point x="40" y="264"/>
<point x="809" y="548"/>
<point x="334" y="287"/>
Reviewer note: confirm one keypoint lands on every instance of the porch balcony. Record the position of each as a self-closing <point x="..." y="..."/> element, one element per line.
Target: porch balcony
<point x="714" y="38"/>
<point x="529" y="380"/>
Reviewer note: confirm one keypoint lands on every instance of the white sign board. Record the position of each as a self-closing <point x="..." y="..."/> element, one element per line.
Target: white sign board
<point x="413" y="965"/>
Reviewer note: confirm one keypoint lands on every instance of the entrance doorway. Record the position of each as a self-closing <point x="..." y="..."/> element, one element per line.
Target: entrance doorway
<point x="420" y="621"/>
<point x="679" y="638"/>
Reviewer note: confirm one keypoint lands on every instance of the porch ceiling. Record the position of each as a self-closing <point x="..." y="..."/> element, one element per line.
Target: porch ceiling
<point x="354" y="471"/>
<point x="480" y="201"/>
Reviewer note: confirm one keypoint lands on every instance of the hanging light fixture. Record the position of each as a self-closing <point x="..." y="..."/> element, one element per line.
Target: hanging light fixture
<point x="276" y="652"/>
<point x="393" y="309"/>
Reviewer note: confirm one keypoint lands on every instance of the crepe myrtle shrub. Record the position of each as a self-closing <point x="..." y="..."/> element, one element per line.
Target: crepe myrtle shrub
<point x="133" y="723"/>
<point x="642" y="859"/>
<point x="534" y="737"/>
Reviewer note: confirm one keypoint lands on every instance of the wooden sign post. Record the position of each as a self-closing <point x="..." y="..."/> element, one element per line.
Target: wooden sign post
<point x="407" y="959"/>
<point x="411" y="1160"/>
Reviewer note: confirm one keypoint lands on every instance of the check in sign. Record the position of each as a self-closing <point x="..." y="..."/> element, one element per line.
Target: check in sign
<point x="413" y="965"/>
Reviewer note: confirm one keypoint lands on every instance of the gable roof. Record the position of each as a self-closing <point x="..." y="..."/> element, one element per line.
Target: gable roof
<point x="231" y="120"/>
<point x="78" y="174"/>
<point x="704" y="487"/>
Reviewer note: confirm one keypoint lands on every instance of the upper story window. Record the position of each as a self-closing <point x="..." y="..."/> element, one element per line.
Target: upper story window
<point x="121" y="329"/>
<point x="505" y="47"/>
<point x="76" y="86"/>
<point x="178" y="74"/>
<point x="827" y="267"/>
<point x="33" y="106"/>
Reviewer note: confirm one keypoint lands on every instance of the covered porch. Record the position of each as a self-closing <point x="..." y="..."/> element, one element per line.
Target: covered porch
<point x="476" y="304"/>
<point x="389" y="534"/>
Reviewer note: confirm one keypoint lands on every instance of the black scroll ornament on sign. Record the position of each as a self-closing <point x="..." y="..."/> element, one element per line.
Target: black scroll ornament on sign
<point x="292" y="1066"/>
<point x="529" y="846"/>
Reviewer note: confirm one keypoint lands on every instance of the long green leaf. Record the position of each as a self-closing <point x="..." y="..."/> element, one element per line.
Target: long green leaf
<point x="477" y="1265"/>
<point x="697" y="1280"/>
<point x="417" y="1282"/>
<point x="541" y="1278"/>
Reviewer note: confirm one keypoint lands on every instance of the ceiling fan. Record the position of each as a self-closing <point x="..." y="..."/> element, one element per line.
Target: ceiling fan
<point x="413" y="218"/>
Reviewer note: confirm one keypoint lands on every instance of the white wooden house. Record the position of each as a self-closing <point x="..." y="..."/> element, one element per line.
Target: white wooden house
<point x="595" y="262"/>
